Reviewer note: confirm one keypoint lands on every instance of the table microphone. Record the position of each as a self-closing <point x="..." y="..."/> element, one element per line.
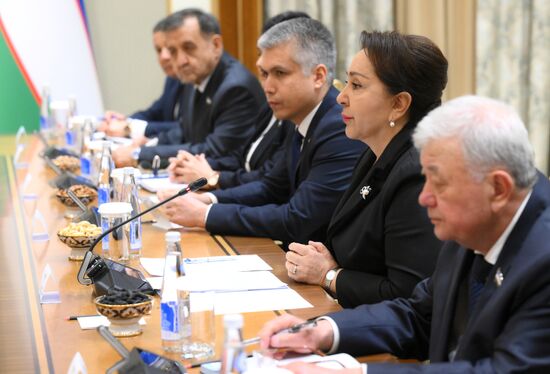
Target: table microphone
<point x="106" y="274"/>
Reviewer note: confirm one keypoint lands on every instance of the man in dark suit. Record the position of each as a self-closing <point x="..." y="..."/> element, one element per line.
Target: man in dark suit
<point x="163" y="113"/>
<point x="258" y="157"/>
<point x="487" y="306"/>
<point x="219" y="99"/>
<point x="294" y="201"/>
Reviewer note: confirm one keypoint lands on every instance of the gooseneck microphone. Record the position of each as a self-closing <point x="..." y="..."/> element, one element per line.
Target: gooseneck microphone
<point x="94" y="267"/>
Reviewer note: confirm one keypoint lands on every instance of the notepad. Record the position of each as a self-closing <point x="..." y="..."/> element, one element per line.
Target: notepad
<point x="157" y="184"/>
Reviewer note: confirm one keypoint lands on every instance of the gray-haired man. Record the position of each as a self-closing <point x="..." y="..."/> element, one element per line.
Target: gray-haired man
<point x="294" y="202"/>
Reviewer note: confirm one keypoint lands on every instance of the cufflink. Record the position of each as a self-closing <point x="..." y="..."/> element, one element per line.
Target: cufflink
<point x="499" y="277"/>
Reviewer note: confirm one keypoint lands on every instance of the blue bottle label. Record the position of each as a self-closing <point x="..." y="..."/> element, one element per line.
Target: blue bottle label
<point x="102" y="195"/>
<point x="105" y="240"/>
<point x="69" y="138"/>
<point x="43" y="122"/>
<point x="169" y="319"/>
<point x="85" y="165"/>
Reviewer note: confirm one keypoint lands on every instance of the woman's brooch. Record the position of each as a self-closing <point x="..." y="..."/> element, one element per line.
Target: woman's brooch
<point x="365" y="190"/>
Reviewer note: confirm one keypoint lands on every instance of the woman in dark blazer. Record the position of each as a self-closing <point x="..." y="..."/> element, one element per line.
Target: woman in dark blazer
<point x="380" y="242"/>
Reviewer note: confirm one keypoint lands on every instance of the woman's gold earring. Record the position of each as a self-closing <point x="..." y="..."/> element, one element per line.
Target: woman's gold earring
<point x="392" y="124"/>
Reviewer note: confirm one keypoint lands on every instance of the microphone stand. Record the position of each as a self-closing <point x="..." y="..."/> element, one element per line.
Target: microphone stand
<point x="86" y="272"/>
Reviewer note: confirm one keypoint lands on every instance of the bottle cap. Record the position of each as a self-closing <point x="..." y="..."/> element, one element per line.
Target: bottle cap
<point x="113" y="210"/>
<point x="172" y="236"/>
<point x="233" y="321"/>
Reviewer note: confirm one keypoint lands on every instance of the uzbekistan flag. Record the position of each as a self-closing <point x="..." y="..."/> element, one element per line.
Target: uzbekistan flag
<point x="44" y="43"/>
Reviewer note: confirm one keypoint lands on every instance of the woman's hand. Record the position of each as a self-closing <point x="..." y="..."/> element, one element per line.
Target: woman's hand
<point x="309" y="263"/>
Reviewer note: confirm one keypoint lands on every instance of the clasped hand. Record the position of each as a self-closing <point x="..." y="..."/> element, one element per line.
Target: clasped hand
<point x="187" y="167"/>
<point x="309" y="263"/>
<point x="188" y="210"/>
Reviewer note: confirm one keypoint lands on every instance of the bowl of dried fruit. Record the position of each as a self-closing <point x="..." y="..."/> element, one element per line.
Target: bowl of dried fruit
<point x="84" y="193"/>
<point x="124" y="309"/>
<point x="79" y="236"/>
<point x="67" y="163"/>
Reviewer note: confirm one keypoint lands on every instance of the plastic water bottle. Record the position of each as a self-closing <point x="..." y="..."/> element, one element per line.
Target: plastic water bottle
<point x="104" y="183"/>
<point x="169" y="309"/>
<point x="45" y="113"/>
<point x="233" y="354"/>
<point x="86" y="155"/>
<point x="129" y="194"/>
<point x="71" y="131"/>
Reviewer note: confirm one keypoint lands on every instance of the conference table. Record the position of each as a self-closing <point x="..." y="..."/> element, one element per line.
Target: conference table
<point x="37" y="337"/>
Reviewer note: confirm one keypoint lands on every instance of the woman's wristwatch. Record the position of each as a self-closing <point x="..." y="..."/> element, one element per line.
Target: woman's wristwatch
<point x="329" y="277"/>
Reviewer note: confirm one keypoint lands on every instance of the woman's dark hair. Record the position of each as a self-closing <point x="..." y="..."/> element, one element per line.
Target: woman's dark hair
<point x="410" y="63"/>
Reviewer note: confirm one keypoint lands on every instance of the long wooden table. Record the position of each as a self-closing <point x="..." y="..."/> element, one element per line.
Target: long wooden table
<point x="37" y="337"/>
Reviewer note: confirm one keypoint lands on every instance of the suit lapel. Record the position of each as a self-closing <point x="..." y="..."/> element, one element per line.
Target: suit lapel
<point x="375" y="175"/>
<point x="328" y="102"/>
<point x="269" y="140"/>
<point x="447" y="281"/>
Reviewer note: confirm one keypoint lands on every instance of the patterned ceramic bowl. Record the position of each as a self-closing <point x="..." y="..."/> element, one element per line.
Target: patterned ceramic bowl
<point x="124" y="318"/>
<point x="84" y="193"/>
<point x="79" y="244"/>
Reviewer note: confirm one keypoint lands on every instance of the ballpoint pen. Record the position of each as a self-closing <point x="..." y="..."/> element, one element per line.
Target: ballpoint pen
<point x="312" y="322"/>
<point x="156" y="165"/>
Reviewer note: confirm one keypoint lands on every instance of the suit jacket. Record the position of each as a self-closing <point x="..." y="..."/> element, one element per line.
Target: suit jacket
<point x="269" y="150"/>
<point x="294" y="205"/>
<point x="509" y="328"/>
<point x="384" y="242"/>
<point x="231" y="101"/>
<point x="160" y="115"/>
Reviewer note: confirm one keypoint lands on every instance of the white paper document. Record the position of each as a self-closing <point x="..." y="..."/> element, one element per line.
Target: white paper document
<point x="222" y="264"/>
<point x="258" y="301"/>
<point x="92" y="322"/>
<point x="154" y="266"/>
<point x="336" y="361"/>
<point x="157" y="184"/>
<point x="214" y="264"/>
<point x="230" y="282"/>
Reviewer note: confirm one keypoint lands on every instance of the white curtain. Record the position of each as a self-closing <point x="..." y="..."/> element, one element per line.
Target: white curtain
<point x="513" y="63"/>
<point x="345" y="19"/>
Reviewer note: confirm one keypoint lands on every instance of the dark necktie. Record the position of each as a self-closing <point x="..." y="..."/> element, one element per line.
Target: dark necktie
<point x="296" y="148"/>
<point x="197" y="107"/>
<point x="476" y="281"/>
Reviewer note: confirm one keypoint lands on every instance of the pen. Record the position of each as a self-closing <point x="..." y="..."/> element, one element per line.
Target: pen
<point x="74" y="318"/>
<point x="156" y="165"/>
<point x="312" y="322"/>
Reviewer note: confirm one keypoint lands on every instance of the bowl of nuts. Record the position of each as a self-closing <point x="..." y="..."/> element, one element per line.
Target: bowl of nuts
<point x="67" y="163"/>
<point x="79" y="236"/>
<point x="124" y="309"/>
<point x="84" y="193"/>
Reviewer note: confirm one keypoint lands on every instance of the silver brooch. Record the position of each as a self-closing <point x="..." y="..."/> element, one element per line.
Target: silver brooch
<point x="499" y="277"/>
<point x="365" y="190"/>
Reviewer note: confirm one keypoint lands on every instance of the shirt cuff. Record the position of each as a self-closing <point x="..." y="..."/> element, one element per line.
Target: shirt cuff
<point x="335" y="334"/>
<point x="207" y="212"/>
<point x="152" y="143"/>
<point x="137" y="127"/>
<point x="364" y="368"/>
<point x="212" y="197"/>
